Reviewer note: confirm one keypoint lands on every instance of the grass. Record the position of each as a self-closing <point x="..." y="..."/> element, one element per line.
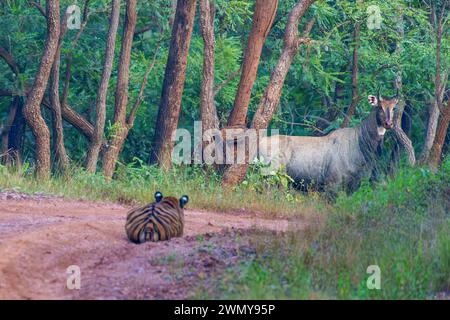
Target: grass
<point x="401" y="225"/>
<point x="136" y="183"/>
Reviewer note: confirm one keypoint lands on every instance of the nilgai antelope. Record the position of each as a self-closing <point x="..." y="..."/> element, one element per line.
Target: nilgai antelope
<point x="340" y="158"/>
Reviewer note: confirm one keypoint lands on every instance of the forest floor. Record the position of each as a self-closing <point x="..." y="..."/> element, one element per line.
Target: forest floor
<point x="42" y="235"/>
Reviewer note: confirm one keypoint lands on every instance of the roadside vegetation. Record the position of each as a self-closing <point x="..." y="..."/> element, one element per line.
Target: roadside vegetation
<point x="401" y="225"/>
<point x="136" y="183"/>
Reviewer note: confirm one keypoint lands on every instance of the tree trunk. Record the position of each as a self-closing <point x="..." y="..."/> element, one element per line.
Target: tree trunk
<point x="265" y="12"/>
<point x="235" y="173"/>
<point x="100" y="104"/>
<point x="431" y="130"/>
<point x="16" y="135"/>
<point x="75" y="119"/>
<point x="71" y="116"/>
<point x="32" y="110"/>
<point x="404" y="140"/>
<point x="208" y="111"/>
<point x="5" y="129"/>
<point x="173" y="12"/>
<point x="441" y="132"/>
<point x="61" y="158"/>
<point x="355" y="95"/>
<point x="120" y="126"/>
<point x="173" y="85"/>
<point x="440" y="82"/>
<point x="13" y="141"/>
<point x="401" y="137"/>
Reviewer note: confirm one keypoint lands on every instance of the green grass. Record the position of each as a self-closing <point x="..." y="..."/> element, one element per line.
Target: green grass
<point x="137" y="183"/>
<point x="401" y="225"/>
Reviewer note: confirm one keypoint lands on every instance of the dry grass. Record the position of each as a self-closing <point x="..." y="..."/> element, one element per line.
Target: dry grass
<point x="134" y="187"/>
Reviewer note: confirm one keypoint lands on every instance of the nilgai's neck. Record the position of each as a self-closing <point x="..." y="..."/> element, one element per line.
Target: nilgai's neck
<point x="369" y="136"/>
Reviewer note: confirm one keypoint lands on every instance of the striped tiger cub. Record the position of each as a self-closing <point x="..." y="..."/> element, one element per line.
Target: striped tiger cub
<point x="158" y="221"/>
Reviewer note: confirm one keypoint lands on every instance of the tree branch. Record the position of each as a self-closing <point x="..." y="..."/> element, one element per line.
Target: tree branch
<point x="69" y="58"/>
<point x="224" y="83"/>
<point x="137" y="103"/>
<point x="41" y="9"/>
<point x="9" y="59"/>
<point x="355" y="71"/>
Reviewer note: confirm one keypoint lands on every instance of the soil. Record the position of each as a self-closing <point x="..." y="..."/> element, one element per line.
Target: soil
<point x="42" y="235"/>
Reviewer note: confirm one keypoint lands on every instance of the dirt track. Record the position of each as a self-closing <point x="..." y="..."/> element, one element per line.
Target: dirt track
<point x="41" y="236"/>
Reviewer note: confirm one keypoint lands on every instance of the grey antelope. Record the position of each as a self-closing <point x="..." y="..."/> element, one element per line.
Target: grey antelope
<point x="340" y="158"/>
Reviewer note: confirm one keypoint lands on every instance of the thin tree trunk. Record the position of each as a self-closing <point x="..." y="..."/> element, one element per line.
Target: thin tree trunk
<point x="16" y="136"/>
<point x="431" y="130"/>
<point x="234" y="174"/>
<point x="439" y="84"/>
<point x="173" y="85"/>
<point x="263" y="17"/>
<point x="401" y="136"/>
<point x="441" y="132"/>
<point x="100" y="105"/>
<point x="122" y="126"/>
<point x="5" y="129"/>
<point x="75" y="119"/>
<point x="61" y="158"/>
<point x="71" y="116"/>
<point x="68" y="114"/>
<point x="209" y="116"/>
<point x="172" y="15"/>
<point x="120" y="109"/>
<point x="355" y="95"/>
<point x="404" y="140"/>
<point x="32" y="110"/>
<point x="13" y="136"/>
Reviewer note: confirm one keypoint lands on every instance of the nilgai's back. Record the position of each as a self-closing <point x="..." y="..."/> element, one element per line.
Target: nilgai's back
<point x="157" y="221"/>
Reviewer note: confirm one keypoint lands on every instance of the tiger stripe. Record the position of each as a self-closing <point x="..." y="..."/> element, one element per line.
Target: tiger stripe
<point x="157" y="221"/>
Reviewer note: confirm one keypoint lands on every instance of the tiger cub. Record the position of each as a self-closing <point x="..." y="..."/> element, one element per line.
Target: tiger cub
<point x="158" y="221"/>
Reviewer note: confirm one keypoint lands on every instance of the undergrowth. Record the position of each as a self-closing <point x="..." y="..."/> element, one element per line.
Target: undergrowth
<point x="401" y="226"/>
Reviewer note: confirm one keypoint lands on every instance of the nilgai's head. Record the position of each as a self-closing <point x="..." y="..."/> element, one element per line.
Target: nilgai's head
<point x="384" y="108"/>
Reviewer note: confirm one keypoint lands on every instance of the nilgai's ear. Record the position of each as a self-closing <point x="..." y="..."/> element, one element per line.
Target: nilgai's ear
<point x="396" y="98"/>
<point x="158" y="196"/>
<point x="184" y="200"/>
<point x="372" y="100"/>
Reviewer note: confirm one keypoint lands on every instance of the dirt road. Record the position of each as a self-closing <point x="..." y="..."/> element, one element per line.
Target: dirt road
<point x="41" y="236"/>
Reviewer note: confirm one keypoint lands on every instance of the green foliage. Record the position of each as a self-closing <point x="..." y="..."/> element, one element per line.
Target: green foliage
<point x="258" y="181"/>
<point x="233" y="14"/>
<point x="310" y="87"/>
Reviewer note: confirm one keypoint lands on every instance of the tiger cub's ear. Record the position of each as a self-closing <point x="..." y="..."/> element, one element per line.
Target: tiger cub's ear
<point x="158" y="196"/>
<point x="184" y="200"/>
